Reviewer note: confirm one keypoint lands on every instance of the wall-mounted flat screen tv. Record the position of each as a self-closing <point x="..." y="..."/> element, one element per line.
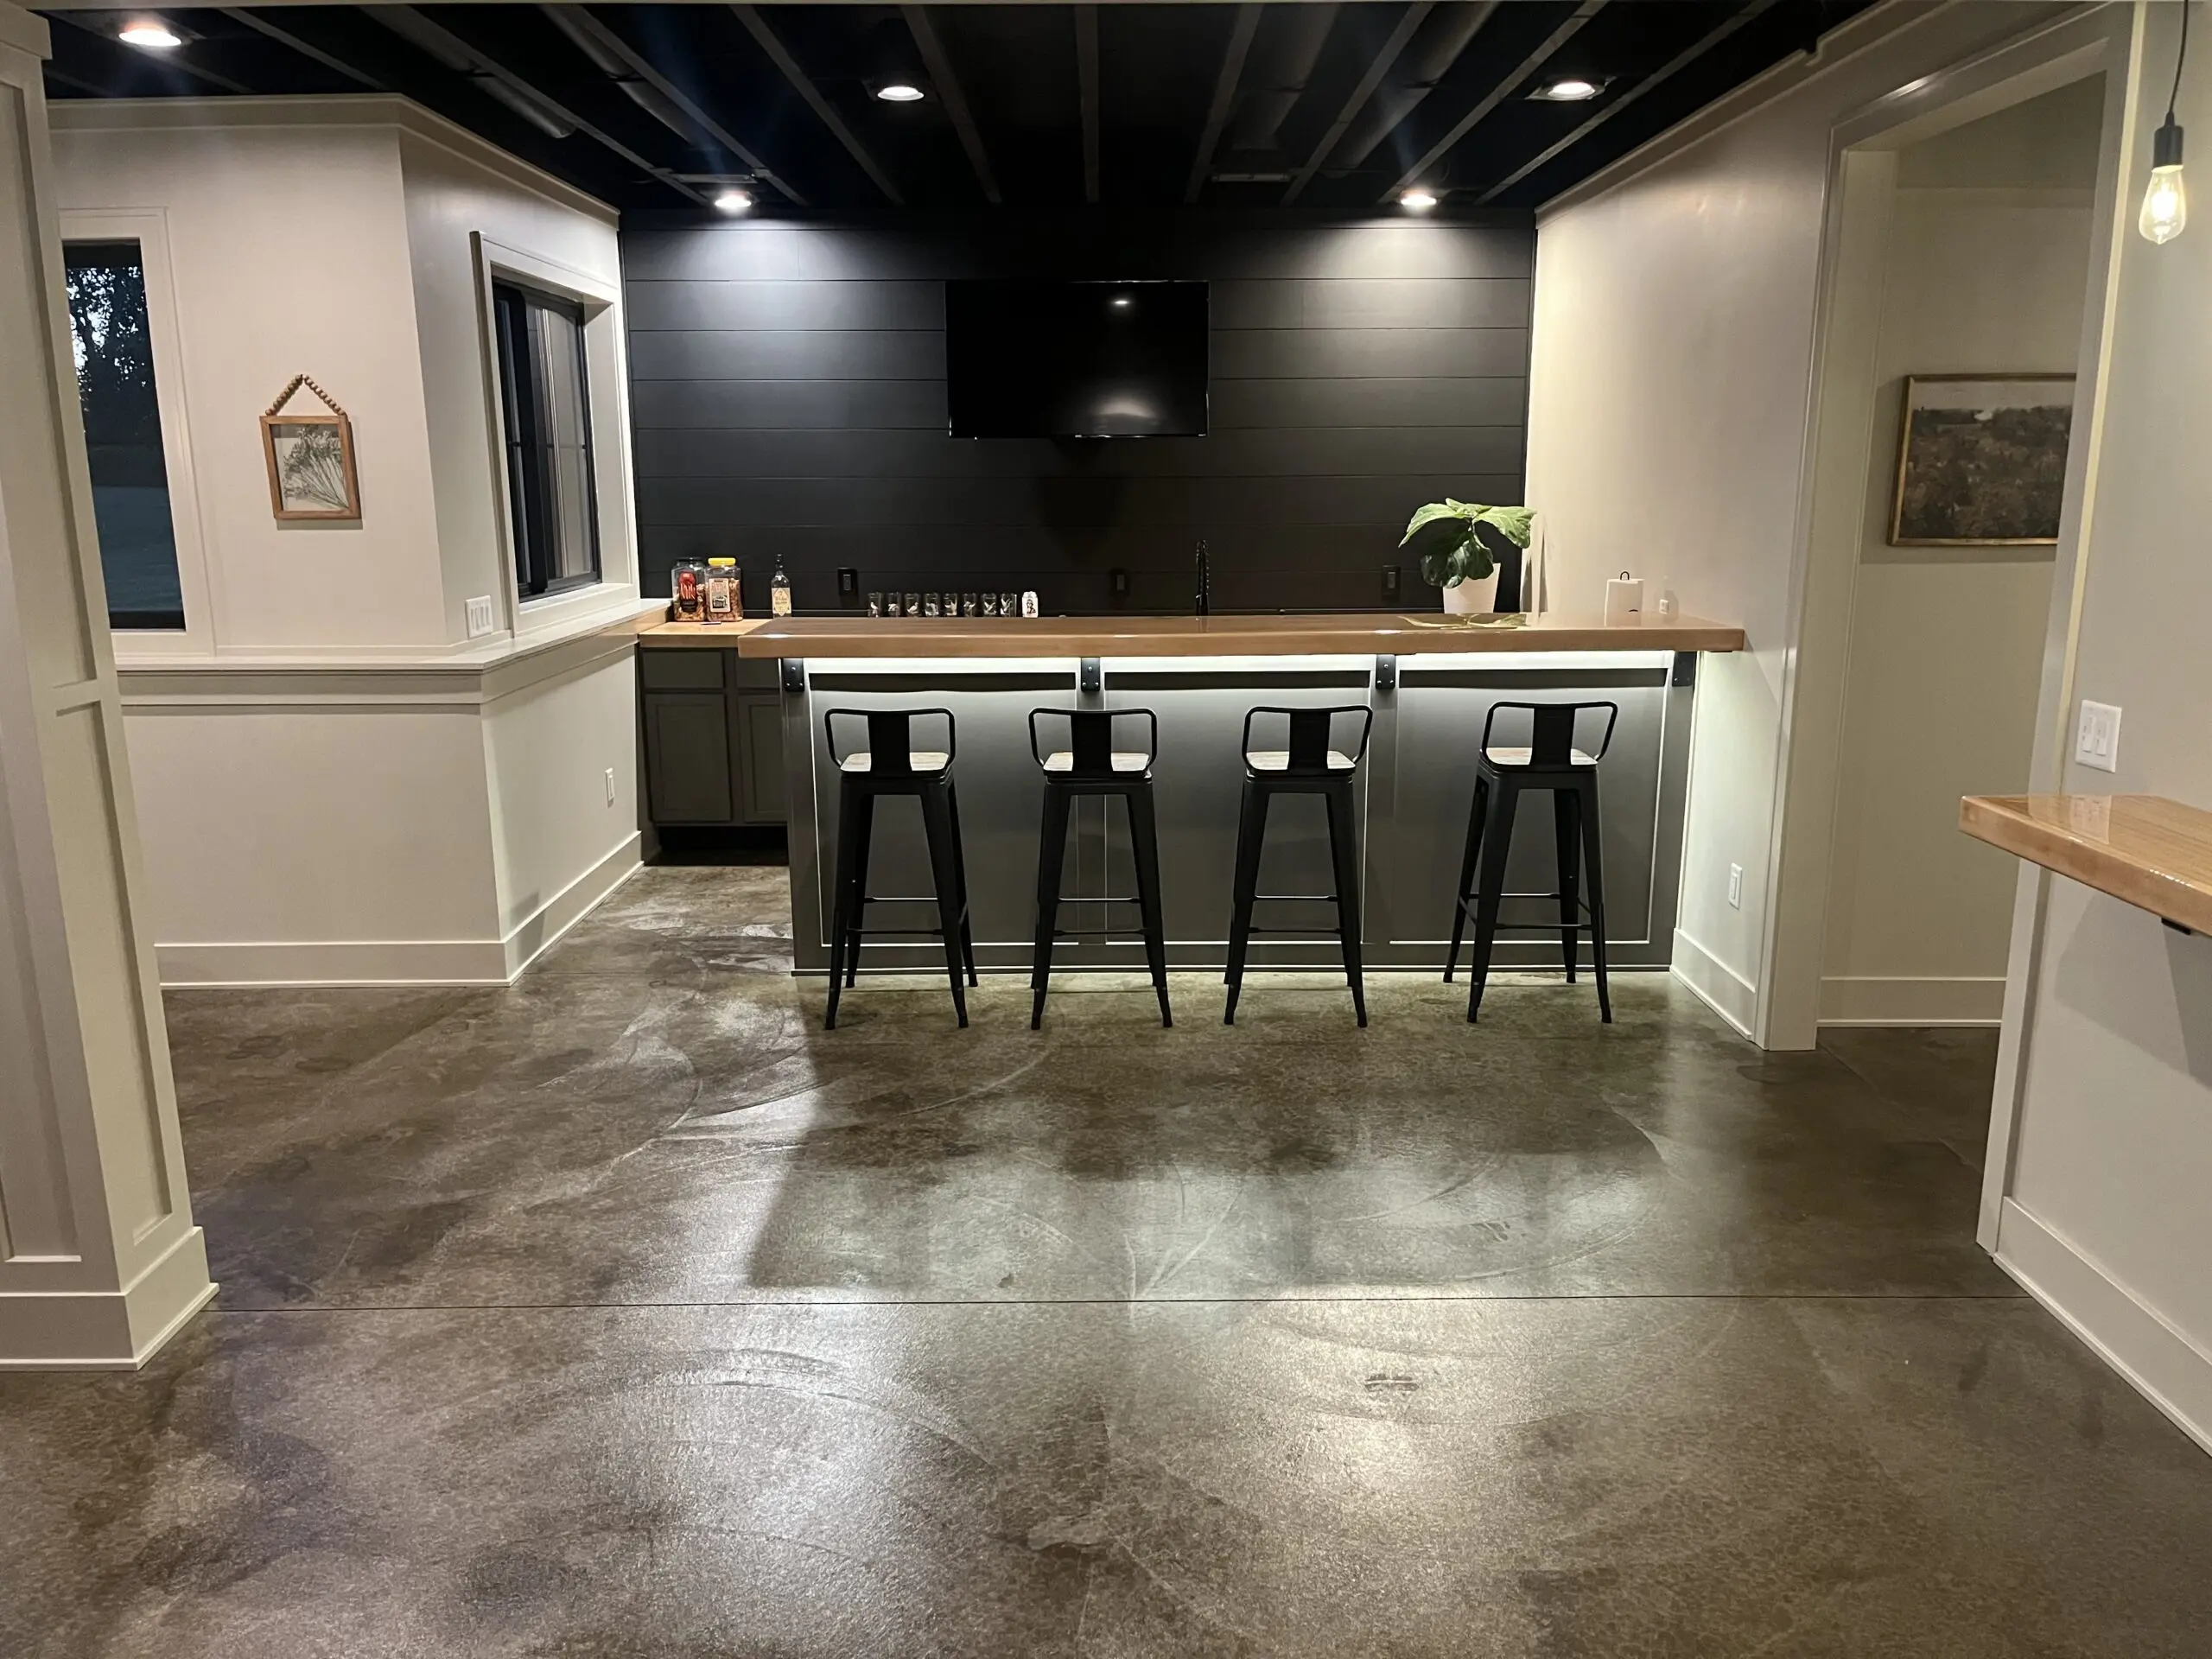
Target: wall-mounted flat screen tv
<point x="1042" y="359"/>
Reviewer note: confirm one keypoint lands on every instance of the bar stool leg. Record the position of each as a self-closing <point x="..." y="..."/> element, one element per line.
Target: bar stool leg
<point x="960" y="870"/>
<point x="1251" y="830"/>
<point x="1497" y="844"/>
<point x="1594" y="869"/>
<point x="936" y="825"/>
<point x="1144" y="845"/>
<point x="863" y="822"/>
<point x="840" y="902"/>
<point x="1344" y="849"/>
<point x="1051" y="855"/>
<point x="1566" y="834"/>
<point x="1467" y="889"/>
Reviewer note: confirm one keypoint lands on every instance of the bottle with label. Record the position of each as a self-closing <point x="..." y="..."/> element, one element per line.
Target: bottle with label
<point x="779" y="591"/>
<point x="687" y="588"/>
<point x="721" y="602"/>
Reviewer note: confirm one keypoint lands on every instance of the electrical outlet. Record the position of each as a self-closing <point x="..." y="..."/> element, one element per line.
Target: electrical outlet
<point x="1390" y="580"/>
<point x="480" y="616"/>
<point x="1735" y="886"/>
<point x="2096" y="740"/>
<point x="848" y="581"/>
<point x="610" y="786"/>
<point x="1117" y="582"/>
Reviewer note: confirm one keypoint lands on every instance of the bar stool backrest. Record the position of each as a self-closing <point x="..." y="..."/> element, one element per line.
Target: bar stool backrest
<point x="1551" y="738"/>
<point x="890" y="737"/>
<point x="1091" y="739"/>
<point x="1311" y="730"/>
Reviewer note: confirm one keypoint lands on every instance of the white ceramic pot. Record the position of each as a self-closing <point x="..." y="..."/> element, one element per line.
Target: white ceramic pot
<point x="1473" y="595"/>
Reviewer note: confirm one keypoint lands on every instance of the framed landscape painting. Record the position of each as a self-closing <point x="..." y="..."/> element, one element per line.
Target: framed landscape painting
<point x="1981" y="460"/>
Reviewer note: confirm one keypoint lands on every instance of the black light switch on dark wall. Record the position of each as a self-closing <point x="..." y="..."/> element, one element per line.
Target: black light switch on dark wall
<point x="1117" y="582"/>
<point x="848" y="581"/>
<point x="1390" y="583"/>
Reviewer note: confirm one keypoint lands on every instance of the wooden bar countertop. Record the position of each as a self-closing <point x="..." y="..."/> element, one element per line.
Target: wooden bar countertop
<point x="2149" y="851"/>
<point x="1338" y="634"/>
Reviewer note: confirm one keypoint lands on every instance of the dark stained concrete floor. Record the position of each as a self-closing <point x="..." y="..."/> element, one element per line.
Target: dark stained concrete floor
<point x="628" y="1313"/>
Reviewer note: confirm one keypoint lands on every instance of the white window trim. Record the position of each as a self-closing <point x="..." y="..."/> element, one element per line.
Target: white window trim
<point x="148" y="227"/>
<point x="606" y="380"/>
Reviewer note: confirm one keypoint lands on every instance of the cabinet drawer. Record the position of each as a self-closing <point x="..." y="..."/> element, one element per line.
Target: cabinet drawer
<point x="687" y="670"/>
<point x="756" y="673"/>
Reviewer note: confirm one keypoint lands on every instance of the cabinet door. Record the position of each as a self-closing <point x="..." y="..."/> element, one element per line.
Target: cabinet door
<point x="688" y="758"/>
<point x="760" y="739"/>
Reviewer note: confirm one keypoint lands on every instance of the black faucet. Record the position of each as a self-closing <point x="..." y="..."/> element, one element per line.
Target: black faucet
<point x="1205" y="598"/>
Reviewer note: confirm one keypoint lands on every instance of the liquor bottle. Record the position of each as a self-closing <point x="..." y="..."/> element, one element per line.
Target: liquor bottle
<point x="779" y="591"/>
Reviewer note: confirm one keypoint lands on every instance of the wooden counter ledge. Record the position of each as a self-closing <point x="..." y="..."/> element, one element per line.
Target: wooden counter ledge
<point x="2145" y="849"/>
<point x="1343" y="635"/>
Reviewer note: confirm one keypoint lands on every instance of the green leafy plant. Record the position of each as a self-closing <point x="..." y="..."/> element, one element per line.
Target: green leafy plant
<point x="1446" y="536"/>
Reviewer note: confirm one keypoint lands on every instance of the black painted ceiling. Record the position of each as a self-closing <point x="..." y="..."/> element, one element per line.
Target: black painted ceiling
<point x="1330" y="107"/>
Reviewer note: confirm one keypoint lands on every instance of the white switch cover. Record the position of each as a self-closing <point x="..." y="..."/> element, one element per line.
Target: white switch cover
<point x="1736" y="886"/>
<point x="479" y="617"/>
<point x="610" y="786"/>
<point x="2097" y="742"/>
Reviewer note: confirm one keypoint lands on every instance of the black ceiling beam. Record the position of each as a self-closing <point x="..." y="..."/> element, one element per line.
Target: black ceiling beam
<point x="1224" y="96"/>
<point x="1682" y="60"/>
<point x="314" y="53"/>
<point x="802" y="84"/>
<point x="1496" y="95"/>
<point x="1086" y="77"/>
<point x="939" y="64"/>
<point x="173" y="59"/>
<point x="1414" y="15"/>
<point x="659" y="96"/>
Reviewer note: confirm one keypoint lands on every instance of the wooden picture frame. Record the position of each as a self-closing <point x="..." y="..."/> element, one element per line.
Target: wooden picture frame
<point x="310" y="459"/>
<point x="1985" y="466"/>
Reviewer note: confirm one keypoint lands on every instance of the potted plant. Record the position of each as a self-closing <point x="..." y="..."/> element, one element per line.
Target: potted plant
<point x="1446" y="537"/>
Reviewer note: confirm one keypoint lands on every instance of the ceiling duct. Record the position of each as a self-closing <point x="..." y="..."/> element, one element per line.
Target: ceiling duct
<point x="1276" y="74"/>
<point x="635" y="88"/>
<point x="1429" y="57"/>
<point x="419" y="31"/>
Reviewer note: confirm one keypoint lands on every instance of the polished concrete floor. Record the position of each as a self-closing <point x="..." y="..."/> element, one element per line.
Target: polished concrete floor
<point x="628" y="1312"/>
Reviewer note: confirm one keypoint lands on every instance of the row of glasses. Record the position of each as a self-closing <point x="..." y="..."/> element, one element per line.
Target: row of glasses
<point x="976" y="604"/>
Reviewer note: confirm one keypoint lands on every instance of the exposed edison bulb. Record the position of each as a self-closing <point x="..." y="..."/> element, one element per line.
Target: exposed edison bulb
<point x="2166" y="201"/>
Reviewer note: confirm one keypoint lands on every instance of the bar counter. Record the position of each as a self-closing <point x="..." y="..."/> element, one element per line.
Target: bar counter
<point x="1428" y="679"/>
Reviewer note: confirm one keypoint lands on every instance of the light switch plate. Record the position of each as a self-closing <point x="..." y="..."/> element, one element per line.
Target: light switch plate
<point x="610" y="786"/>
<point x="1736" y="886"/>
<point x="2096" y="739"/>
<point x="479" y="617"/>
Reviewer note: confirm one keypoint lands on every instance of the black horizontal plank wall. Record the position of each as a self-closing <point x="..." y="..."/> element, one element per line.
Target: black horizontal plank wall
<point x="788" y="394"/>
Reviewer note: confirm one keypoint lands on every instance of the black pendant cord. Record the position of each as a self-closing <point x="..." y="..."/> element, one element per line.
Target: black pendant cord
<point x="2181" y="57"/>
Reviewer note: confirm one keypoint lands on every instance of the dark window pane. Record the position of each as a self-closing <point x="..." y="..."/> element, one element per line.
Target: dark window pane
<point x="546" y="416"/>
<point x="122" y="435"/>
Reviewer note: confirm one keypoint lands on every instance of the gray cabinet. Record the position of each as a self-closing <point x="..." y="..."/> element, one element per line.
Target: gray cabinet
<point x="712" y="729"/>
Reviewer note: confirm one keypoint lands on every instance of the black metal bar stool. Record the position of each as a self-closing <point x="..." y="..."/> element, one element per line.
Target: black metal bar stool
<point x="892" y="766"/>
<point x="1306" y="765"/>
<point x="1091" y="765"/>
<point x="1550" y="761"/>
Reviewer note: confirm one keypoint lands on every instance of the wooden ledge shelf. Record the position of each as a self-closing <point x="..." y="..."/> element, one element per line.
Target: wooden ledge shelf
<point x="2145" y="849"/>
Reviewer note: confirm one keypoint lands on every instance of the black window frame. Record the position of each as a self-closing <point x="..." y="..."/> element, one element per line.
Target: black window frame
<point x="533" y="507"/>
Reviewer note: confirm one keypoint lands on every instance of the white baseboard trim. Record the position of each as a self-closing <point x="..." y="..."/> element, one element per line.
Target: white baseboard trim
<point x="2163" y="1365"/>
<point x="1716" y="984"/>
<point x="539" y="932"/>
<point x="1871" y="1001"/>
<point x="109" y="1330"/>
<point x="319" y="963"/>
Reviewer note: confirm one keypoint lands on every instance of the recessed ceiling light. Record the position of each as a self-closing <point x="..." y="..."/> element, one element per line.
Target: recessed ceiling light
<point x="1572" y="90"/>
<point x="899" y="91"/>
<point x="1121" y="301"/>
<point x="150" y="33"/>
<point x="1419" y="200"/>
<point x="733" y="201"/>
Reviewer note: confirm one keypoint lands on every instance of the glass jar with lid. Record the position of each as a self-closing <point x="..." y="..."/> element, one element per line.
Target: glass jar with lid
<point x="687" y="586"/>
<point x="722" y="601"/>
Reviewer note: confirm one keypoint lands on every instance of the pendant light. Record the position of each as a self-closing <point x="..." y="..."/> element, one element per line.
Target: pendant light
<point x="2165" y="203"/>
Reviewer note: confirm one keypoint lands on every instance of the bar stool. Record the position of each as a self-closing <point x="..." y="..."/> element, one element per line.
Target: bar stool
<point x="1091" y="765"/>
<point x="1307" y="765"/>
<point x="1549" y="762"/>
<point x="892" y="766"/>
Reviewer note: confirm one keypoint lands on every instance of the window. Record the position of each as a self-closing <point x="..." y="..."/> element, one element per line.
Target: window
<point x="123" y="434"/>
<point x="546" y="415"/>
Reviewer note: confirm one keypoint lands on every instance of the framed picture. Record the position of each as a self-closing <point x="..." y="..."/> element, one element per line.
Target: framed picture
<point x="1981" y="460"/>
<point x="310" y="459"/>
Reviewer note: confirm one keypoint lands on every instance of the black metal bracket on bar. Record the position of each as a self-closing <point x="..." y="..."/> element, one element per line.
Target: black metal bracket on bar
<point x="1386" y="673"/>
<point x="1684" y="669"/>
<point x="1090" y="681"/>
<point x="2179" y="927"/>
<point x="794" y="675"/>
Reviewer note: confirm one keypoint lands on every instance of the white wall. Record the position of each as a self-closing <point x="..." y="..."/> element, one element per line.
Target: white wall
<point x="1675" y="301"/>
<point x="1988" y="272"/>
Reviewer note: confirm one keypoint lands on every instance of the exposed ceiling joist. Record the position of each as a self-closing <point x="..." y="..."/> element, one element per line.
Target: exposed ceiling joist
<point x="1467" y="124"/>
<point x="1086" y="76"/>
<point x="284" y="37"/>
<point x="504" y="86"/>
<point x="1224" y="96"/>
<point x="656" y="94"/>
<point x="1414" y="15"/>
<point x="174" y="60"/>
<point x="1682" y="60"/>
<point x="802" y="84"/>
<point x="955" y="101"/>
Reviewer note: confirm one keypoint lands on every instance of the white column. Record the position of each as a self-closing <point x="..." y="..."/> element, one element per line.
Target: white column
<point x="99" y="1261"/>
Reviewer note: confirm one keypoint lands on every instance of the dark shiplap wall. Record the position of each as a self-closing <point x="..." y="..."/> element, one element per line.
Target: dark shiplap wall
<point x="788" y="393"/>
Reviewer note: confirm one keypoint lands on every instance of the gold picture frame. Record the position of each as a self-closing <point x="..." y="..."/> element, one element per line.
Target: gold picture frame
<point x="1981" y="460"/>
<point x="310" y="458"/>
